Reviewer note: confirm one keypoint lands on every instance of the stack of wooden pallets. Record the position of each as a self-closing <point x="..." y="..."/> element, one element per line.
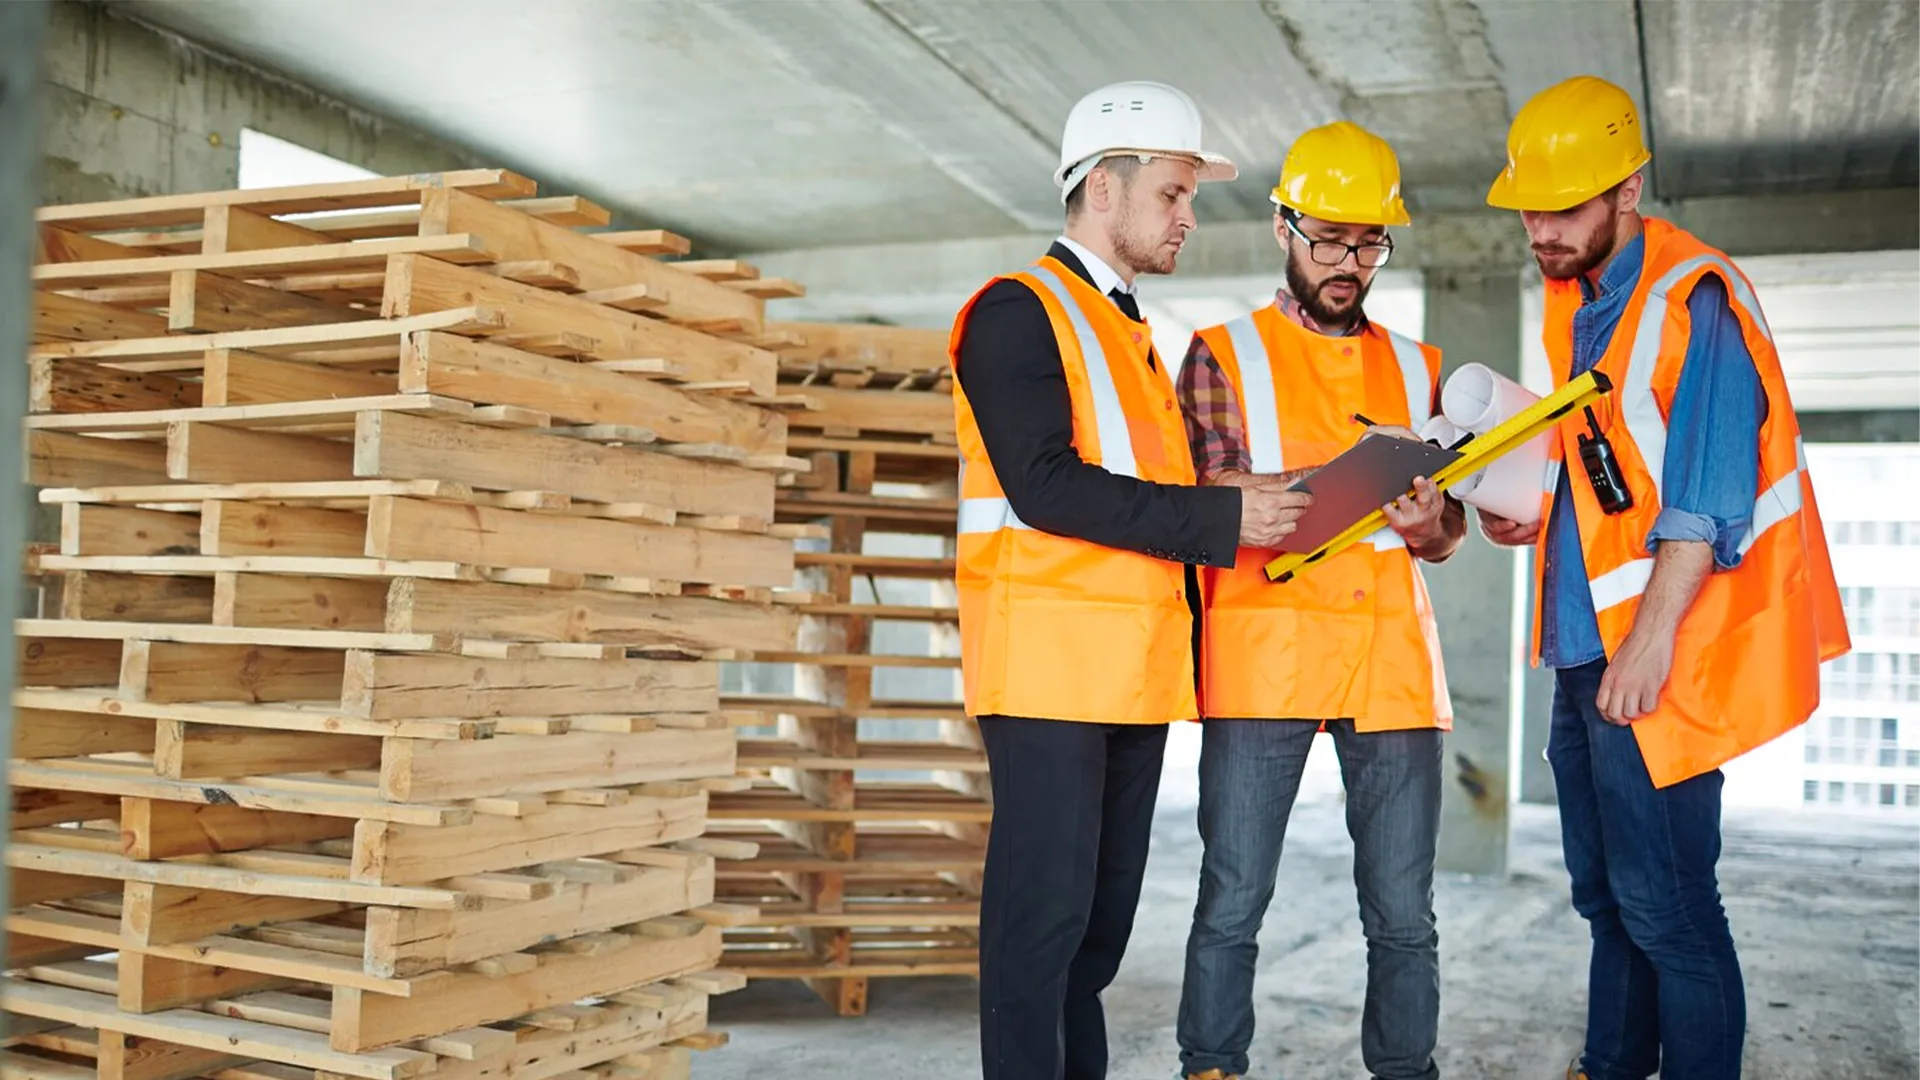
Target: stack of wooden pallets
<point x="374" y="730"/>
<point x="870" y="804"/>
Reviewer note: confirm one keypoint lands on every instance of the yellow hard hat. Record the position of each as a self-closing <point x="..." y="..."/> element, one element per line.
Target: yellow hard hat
<point x="1343" y="173"/>
<point x="1571" y="142"/>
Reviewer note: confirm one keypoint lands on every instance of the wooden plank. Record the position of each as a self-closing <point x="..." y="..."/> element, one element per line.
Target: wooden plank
<point x="459" y="247"/>
<point x="646" y="241"/>
<point x="393" y="853"/>
<point x="571" y="210"/>
<point x="299" y="602"/>
<point x="275" y="718"/>
<point x="331" y="798"/>
<point x="434" y="770"/>
<point x="215" y="453"/>
<point x="479" y="371"/>
<point x="34" y="809"/>
<point x="149" y="983"/>
<point x="238" y="377"/>
<point x="415" y="529"/>
<point x="29" y="886"/>
<point x="170" y="914"/>
<point x="129" y="1057"/>
<point x="207" y="303"/>
<point x="237" y="528"/>
<point x="15" y="1065"/>
<point x="58" y="317"/>
<point x="152" y="829"/>
<point x="286" y="491"/>
<point x="59" y="459"/>
<point x="126" y="530"/>
<point x="528" y="613"/>
<point x="66" y="387"/>
<point x="260" y="564"/>
<point x="330" y="413"/>
<point x="160" y="210"/>
<point x="190" y="751"/>
<point x="228" y="636"/>
<point x="236" y="228"/>
<point x="517" y="236"/>
<point x="92" y="872"/>
<point x="416" y="285"/>
<point x="192" y="1028"/>
<point x="57" y="245"/>
<point x="402" y="941"/>
<point x="66" y="662"/>
<point x="46" y="733"/>
<point x="897" y="349"/>
<point x="306" y="342"/>
<point x="387" y="687"/>
<point x="399" y="447"/>
<point x="907" y="412"/>
<point x="168" y="671"/>
<point x="363" y="1021"/>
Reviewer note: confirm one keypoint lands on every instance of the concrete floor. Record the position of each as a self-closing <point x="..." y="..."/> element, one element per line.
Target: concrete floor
<point x="1826" y="909"/>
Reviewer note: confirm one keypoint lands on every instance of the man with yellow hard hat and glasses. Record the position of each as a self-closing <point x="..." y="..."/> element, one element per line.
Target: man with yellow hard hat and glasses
<point x="1685" y="596"/>
<point x="1351" y="646"/>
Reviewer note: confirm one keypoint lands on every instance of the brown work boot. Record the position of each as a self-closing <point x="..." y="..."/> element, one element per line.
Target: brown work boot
<point x="1213" y="1074"/>
<point x="1574" y="1071"/>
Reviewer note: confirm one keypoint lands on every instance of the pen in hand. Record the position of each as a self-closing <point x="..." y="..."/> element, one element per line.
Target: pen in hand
<point x="1359" y="419"/>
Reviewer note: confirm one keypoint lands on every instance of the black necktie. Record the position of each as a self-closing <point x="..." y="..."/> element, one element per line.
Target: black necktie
<point x="1131" y="309"/>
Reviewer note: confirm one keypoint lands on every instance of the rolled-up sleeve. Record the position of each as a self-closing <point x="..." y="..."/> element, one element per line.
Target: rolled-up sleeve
<point x="1712" y="472"/>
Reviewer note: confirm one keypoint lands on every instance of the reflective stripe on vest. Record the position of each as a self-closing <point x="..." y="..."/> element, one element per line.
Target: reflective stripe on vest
<point x="991" y="513"/>
<point x="1259" y="396"/>
<point x="1413" y="373"/>
<point x="1641" y="411"/>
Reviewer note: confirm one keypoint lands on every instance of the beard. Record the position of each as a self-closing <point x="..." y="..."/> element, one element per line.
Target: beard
<point x="1330" y="314"/>
<point x="1564" y="263"/>
<point x="1142" y="255"/>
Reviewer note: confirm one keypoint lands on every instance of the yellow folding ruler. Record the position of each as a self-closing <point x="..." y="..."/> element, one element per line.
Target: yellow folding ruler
<point x="1510" y="434"/>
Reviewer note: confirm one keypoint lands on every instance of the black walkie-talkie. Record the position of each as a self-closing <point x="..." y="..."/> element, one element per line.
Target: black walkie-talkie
<point x="1603" y="470"/>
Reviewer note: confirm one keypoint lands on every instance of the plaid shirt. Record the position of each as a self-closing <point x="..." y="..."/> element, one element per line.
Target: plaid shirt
<point x="1215" y="429"/>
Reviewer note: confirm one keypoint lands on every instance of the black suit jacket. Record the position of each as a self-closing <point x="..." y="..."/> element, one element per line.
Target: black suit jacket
<point x="1010" y="368"/>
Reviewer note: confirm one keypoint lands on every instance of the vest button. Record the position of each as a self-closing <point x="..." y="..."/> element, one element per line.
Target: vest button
<point x="1169" y="404"/>
<point x="1347" y="351"/>
<point x="1359" y="594"/>
<point x="1136" y="337"/>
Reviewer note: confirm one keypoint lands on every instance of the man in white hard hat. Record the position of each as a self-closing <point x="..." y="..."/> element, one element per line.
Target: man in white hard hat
<point x="1079" y="526"/>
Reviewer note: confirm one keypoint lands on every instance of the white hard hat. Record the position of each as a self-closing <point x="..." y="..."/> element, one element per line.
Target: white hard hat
<point x="1147" y="118"/>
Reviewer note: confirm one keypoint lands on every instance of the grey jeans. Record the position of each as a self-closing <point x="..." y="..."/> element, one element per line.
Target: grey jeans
<point x="1249" y="774"/>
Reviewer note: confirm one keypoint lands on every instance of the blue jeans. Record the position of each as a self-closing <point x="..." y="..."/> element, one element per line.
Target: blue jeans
<point x="1664" y="989"/>
<point x="1249" y="774"/>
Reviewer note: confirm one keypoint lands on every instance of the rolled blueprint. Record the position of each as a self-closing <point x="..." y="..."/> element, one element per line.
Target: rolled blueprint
<point x="1477" y="399"/>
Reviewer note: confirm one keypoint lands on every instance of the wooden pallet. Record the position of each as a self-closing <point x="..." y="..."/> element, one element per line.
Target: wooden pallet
<point x="370" y="719"/>
<point x="870" y="843"/>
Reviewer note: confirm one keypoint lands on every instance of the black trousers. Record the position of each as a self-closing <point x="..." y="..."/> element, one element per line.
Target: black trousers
<point x="1072" y="814"/>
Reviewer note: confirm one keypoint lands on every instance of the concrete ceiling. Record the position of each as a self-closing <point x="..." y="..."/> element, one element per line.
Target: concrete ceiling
<point x="766" y="125"/>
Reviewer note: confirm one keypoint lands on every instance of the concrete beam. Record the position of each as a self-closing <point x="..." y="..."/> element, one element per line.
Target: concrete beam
<point x="21" y="28"/>
<point x="923" y="283"/>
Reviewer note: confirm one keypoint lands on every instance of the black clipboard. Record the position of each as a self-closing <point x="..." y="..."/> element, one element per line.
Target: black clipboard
<point x="1378" y="470"/>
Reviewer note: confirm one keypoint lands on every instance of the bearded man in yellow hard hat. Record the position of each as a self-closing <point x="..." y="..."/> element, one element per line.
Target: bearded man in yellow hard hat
<point x="1685" y="597"/>
<point x="1351" y="648"/>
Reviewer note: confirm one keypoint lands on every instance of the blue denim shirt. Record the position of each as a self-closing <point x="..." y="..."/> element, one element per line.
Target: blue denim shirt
<point x="1712" y="471"/>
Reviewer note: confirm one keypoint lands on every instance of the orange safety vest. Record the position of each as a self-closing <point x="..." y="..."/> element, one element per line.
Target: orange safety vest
<point x="1356" y="637"/>
<point x="1056" y="628"/>
<point x="1747" y="655"/>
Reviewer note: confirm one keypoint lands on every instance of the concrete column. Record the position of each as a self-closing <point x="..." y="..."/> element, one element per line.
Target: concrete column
<point x="21" y="26"/>
<point x="1475" y="318"/>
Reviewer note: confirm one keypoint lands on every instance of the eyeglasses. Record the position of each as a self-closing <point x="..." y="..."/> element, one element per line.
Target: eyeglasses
<point x="1333" y="252"/>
